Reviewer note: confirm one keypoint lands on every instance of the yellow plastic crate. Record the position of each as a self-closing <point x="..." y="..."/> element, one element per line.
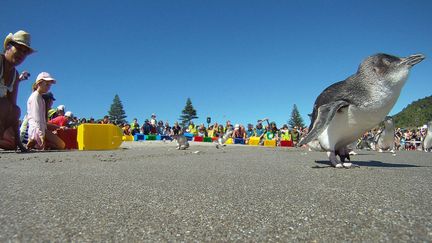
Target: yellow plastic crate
<point x="127" y="138"/>
<point x="254" y="141"/>
<point x="99" y="137"/>
<point x="270" y="143"/>
<point x="229" y="141"/>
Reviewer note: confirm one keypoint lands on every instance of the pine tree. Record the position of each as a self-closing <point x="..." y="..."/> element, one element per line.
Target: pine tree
<point x="116" y="113"/>
<point x="188" y="113"/>
<point x="296" y="119"/>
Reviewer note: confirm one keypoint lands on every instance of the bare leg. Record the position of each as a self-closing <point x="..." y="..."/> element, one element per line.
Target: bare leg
<point x="53" y="141"/>
<point x="8" y="141"/>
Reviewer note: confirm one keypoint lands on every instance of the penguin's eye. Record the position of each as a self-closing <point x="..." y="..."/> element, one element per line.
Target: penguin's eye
<point x="386" y="61"/>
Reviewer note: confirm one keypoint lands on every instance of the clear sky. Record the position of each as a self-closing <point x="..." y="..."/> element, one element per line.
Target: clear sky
<point x="236" y="60"/>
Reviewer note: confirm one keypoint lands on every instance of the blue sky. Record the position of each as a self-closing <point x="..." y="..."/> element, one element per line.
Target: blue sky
<point x="236" y="60"/>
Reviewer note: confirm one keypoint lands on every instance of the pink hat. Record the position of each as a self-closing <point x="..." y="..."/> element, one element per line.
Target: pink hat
<point x="44" y="76"/>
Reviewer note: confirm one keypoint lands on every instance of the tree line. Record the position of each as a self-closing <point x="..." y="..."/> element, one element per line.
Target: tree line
<point x="118" y="115"/>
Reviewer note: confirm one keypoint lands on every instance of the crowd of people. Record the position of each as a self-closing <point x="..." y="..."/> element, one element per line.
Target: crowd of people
<point x="405" y="139"/>
<point x="263" y="129"/>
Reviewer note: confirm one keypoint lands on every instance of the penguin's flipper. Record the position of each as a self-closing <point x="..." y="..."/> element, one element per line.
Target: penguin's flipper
<point x="325" y="114"/>
<point x="377" y="137"/>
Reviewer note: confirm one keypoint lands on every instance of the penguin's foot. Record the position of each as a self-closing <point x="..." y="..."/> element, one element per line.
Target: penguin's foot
<point x="347" y="165"/>
<point x="334" y="160"/>
<point x="339" y="165"/>
<point x="380" y="150"/>
<point x="350" y="165"/>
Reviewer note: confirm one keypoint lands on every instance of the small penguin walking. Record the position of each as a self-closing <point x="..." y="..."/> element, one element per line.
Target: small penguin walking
<point x="181" y="140"/>
<point x="427" y="142"/>
<point x="347" y="109"/>
<point x="221" y="141"/>
<point x="386" y="139"/>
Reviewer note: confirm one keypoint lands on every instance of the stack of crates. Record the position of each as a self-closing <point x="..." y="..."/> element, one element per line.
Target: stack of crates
<point x="127" y="138"/>
<point x="150" y="137"/>
<point x="189" y="136"/>
<point x="254" y="141"/>
<point x="165" y="137"/>
<point x="270" y="143"/>
<point x="99" y="136"/>
<point x="69" y="137"/>
<point x="286" y="143"/>
<point x="139" y="137"/>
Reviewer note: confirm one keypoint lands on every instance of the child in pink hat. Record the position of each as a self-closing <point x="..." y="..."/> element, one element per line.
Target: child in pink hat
<point x="39" y="136"/>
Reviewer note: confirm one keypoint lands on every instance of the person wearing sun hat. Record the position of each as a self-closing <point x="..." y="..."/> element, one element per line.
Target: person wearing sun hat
<point x="16" y="49"/>
<point x="49" y="100"/>
<point x="39" y="136"/>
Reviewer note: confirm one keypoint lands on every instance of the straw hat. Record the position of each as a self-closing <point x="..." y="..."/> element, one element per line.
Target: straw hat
<point x="20" y="37"/>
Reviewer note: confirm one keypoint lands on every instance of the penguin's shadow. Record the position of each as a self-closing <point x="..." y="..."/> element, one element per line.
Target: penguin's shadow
<point x="371" y="163"/>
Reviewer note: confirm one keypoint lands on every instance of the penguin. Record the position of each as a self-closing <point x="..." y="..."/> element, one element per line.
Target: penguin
<point x="181" y="140"/>
<point x="347" y="109"/>
<point x="427" y="141"/>
<point x="221" y="141"/>
<point x="386" y="139"/>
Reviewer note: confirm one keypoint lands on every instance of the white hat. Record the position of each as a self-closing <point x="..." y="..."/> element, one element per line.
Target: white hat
<point x="61" y="107"/>
<point x="68" y="114"/>
<point x="21" y="37"/>
<point x="44" y="76"/>
<point x="237" y="126"/>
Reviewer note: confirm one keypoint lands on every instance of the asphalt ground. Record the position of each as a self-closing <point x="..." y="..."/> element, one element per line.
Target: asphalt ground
<point x="151" y="192"/>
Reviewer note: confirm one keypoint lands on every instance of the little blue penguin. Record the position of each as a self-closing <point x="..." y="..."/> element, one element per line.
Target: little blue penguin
<point x="427" y="142"/>
<point x="347" y="109"/>
<point x="385" y="140"/>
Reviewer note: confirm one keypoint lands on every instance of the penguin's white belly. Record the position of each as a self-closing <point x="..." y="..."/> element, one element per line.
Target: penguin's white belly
<point x="348" y="125"/>
<point x="428" y="140"/>
<point x="386" y="140"/>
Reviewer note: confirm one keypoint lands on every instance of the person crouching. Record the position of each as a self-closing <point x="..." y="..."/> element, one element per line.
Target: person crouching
<point x="39" y="136"/>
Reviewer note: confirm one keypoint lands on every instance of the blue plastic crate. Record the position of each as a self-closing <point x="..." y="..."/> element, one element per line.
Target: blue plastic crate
<point x="165" y="137"/>
<point x="139" y="136"/>
<point x="189" y="136"/>
<point x="239" y="141"/>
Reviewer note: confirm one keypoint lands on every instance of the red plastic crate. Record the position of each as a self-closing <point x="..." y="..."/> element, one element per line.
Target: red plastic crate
<point x="198" y="139"/>
<point x="286" y="143"/>
<point x="69" y="137"/>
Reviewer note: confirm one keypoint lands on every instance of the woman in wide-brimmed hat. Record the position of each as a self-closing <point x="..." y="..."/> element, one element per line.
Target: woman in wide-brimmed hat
<point x="16" y="49"/>
<point x="39" y="135"/>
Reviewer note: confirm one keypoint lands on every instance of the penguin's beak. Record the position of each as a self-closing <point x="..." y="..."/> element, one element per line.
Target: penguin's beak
<point x="413" y="59"/>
